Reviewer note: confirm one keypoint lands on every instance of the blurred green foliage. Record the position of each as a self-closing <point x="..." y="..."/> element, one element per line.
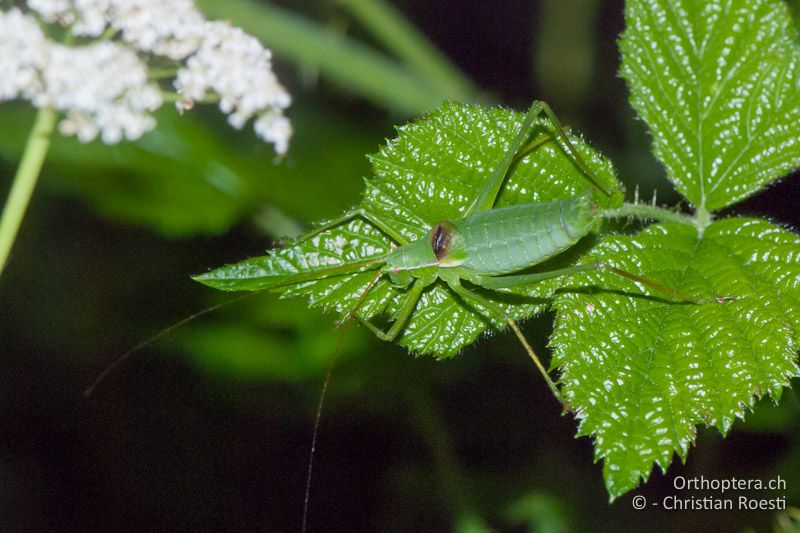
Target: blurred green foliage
<point x="415" y="81"/>
<point x="199" y="177"/>
<point x="566" y="45"/>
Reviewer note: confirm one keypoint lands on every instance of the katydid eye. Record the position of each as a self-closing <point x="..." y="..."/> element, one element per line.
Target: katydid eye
<point x="441" y="236"/>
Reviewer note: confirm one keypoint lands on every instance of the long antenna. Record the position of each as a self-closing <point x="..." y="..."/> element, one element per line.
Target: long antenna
<point x="345" y="323"/>
<point x="317" y="419"/>
<point x="290" y="279"/>
<point x="148" y="341"/>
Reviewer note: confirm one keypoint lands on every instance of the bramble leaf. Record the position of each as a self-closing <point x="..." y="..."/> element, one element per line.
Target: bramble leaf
<point x="641" y="372"/>
<point x="429" y="173"/>
<point x="718" y="83"/>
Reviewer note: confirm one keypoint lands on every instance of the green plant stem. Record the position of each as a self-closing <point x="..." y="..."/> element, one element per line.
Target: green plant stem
<point x="156" y="74"/>
<point x="395" y="31"/>
<point x="703" y="217"/>
<point x="109" y="34"/>
<point x="170" y="97"/>
<point x="649" y="211"/>
<point x="25" y="181"/>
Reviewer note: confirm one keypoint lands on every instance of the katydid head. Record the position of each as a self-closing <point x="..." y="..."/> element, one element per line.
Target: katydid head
<point x="441" y="247"/>
<point x="403" y="262"/>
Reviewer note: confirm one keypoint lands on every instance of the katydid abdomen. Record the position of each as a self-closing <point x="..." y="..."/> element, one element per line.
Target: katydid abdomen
<point x="509" y="239"/>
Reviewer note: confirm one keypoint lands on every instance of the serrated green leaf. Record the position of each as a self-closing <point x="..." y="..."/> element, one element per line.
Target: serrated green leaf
<point x="641" y="372"/>
<point x="718" y="83"/>
<point x="429" y="173"/>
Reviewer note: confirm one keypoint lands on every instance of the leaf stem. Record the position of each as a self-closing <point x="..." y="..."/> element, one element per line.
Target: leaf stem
<point x="703" y="218"/>
<point x="25" y="180"/>
<point x="652" y="212"/>
<point x="109" y="34"/>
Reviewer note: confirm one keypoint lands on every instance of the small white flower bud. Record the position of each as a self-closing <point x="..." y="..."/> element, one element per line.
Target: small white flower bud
<point x="171" y="29"/>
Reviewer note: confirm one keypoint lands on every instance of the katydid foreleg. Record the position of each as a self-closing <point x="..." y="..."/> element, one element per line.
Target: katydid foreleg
<point x="400" y="317"/>
<point x="406" y="309"/>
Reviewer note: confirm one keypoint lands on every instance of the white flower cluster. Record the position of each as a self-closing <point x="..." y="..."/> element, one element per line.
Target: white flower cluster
<point x="235" y="66"/>
<point x="103" y="88"/>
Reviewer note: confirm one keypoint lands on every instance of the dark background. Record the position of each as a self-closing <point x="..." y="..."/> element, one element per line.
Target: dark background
<point x="209" y="428"/>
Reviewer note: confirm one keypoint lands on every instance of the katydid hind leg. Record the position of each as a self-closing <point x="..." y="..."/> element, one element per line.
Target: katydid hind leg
<point x="577" y="158"/>
<point x="474" y="297"/>
<point x="488" y="195"/>
<point x="675" y="295"/>
<point x="531" y="146"/>
<point x="500" y="282"/>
